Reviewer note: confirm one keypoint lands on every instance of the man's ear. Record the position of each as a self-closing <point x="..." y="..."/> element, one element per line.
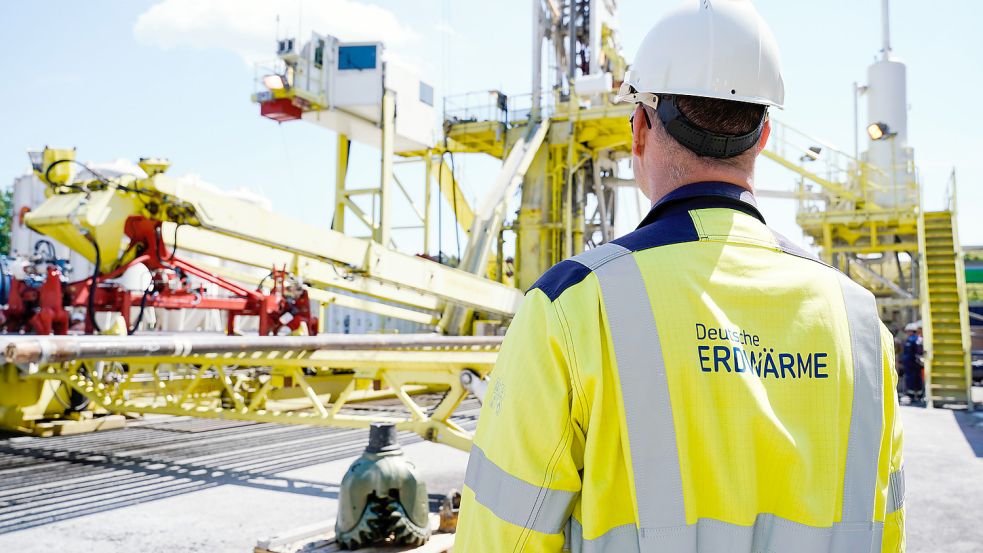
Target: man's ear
<point x="638" y="128"/>
<point x="765" y="133"/>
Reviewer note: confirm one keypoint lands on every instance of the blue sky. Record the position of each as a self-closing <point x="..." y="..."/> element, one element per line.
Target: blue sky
<point x="171" y="78"/>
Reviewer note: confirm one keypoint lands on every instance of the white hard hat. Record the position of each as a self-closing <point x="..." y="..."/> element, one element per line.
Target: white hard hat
<point x="911" y="327"/>
<point x="709" y="48"/>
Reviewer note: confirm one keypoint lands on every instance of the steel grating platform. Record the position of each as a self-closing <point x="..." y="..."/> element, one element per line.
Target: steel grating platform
<point x="46" y="480"/>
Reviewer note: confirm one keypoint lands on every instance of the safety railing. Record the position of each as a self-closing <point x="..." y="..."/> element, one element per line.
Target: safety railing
<point x="475" y="107"/>
<point x="820" y="157"/>
<point x="846" y="181"/>
<point x="496" y="106"/>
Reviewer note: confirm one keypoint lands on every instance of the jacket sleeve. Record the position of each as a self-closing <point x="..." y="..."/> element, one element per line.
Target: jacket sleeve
<point x="893" y="540"/>
<point x="524" y="471"/>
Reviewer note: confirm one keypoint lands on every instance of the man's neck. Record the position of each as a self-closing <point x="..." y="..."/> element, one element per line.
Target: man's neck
<point x="661" y="188"/>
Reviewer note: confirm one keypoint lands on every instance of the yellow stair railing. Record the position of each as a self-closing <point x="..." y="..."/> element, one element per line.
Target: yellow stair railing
<point x="945" y="312"/>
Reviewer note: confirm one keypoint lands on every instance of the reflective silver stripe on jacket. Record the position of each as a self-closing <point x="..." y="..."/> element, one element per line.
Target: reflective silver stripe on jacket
<point x="514" y="500"/>
<point x="644" y="390"/>
<point x="620" y="539"/>
<point x="651" y="435"/>
<point x="895" y="491"/>
<point x="867" y="416"/>
<point x="769" y="533"/>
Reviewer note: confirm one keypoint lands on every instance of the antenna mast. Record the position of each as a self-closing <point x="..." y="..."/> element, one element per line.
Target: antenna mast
<point x="886" y="28"/>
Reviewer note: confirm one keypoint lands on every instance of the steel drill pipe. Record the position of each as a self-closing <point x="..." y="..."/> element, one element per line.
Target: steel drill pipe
<point x="51" y="349"/>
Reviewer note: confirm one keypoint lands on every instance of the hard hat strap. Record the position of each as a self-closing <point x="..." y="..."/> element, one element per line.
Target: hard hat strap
<point x="701" y="141"/>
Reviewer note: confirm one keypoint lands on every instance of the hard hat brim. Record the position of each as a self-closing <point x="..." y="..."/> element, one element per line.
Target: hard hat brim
<point x="627" y="93"/>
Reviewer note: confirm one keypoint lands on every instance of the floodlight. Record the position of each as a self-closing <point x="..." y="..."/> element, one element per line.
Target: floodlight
<point x="275" y="82"/>
<point x="879" y="131"/>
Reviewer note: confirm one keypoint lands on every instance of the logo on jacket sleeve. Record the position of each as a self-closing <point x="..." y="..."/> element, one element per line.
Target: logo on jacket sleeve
<point x="498" y="396"/>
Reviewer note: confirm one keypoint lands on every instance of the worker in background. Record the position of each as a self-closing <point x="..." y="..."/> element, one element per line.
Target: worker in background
<point x="920" y="362"/>
<point x="910" y="359"/>
<point x="700" y="384"/>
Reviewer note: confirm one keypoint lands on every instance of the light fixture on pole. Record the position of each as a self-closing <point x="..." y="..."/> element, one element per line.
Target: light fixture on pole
<point x="879" y="131"/>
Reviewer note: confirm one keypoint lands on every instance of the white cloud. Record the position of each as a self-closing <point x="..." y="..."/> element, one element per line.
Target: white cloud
<point x="447" y="30"/>
<point x="249" y="27"/>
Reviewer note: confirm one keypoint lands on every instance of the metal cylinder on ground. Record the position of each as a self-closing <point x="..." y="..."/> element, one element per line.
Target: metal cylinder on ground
<point x="44" y="349"/>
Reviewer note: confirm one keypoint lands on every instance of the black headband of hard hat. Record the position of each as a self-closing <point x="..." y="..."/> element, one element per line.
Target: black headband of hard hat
<point x="701" y="141"/>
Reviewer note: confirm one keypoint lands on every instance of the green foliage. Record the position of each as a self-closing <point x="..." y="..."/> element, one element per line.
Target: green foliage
<point x="6" y="218"/>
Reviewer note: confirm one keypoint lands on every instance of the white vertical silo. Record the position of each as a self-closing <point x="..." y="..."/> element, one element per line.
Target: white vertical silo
<point x="887" y="106"/>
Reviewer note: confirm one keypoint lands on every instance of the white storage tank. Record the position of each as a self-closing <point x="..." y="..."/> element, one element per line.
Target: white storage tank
<point x="887" y="96"/>
<point x="888" y="154"/>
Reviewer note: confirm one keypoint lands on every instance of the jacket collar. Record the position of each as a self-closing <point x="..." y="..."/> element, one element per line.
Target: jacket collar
<point x="704" y="195"/>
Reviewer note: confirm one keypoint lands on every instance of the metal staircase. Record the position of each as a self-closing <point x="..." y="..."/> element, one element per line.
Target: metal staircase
<point x="837" y="196"/>
<point x="944" y="311"/>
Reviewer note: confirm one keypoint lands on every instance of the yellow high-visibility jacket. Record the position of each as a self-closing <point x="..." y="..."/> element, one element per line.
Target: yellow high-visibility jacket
<point x="698" y="385"/>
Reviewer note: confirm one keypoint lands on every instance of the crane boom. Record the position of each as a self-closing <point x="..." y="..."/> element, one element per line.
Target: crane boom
<point x="237" y="230"/>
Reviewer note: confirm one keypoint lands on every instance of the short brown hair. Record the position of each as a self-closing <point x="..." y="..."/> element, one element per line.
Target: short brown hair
<point x="721" y="116"/>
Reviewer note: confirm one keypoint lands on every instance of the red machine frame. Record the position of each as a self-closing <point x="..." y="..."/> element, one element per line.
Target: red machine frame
<point x="44" y="310"/>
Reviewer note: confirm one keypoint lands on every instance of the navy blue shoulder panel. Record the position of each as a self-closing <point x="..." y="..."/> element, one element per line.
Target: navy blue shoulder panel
<point x="672" y="229"/>
<point x="559" y="277"/>
<point x="669" y="229"/>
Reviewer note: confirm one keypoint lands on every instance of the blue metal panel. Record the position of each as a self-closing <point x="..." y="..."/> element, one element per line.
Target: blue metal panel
<point x="357" y="57"/>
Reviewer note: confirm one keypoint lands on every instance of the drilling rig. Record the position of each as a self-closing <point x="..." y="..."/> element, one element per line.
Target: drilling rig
<point x="562" y="186"/>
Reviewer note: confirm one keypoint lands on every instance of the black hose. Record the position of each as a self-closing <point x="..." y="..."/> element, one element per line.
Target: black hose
<point x="174" y="246"/>
<point x="143" y="307"/>
<point x="269" y="276"/>
<point x="159" y="240"/>
<point x="47" y="173"/>
<point x="99" y="177"/>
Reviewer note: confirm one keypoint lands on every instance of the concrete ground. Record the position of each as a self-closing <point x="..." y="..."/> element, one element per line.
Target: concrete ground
<point x="943" y="453"/>
<point x="221" y="518"/>
<point x="183" y="485"/>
